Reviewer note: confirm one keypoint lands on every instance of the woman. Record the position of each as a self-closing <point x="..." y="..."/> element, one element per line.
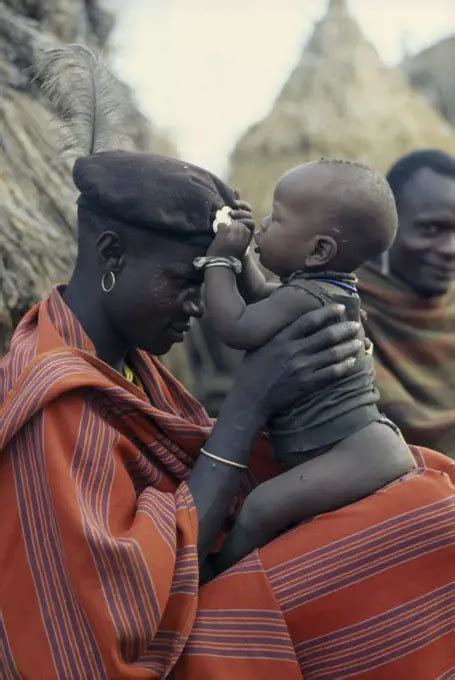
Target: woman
<point x="108" y="508"/>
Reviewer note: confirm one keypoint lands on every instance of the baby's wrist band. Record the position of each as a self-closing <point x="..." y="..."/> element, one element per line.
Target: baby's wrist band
<point x="201" y="263"/>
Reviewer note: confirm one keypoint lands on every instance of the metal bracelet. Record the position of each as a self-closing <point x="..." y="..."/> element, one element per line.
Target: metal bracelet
<point x="214" y="261"/>
<point x="223" y="460"/>
<point x="219" y="264"/>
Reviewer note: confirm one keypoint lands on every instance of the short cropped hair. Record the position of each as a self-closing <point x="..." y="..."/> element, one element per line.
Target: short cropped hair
<point x="366" y="209"/>
<point x="407" y="166"/>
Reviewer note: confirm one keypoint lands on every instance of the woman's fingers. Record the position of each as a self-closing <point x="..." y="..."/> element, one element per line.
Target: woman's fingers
<point x="332" y="356"/>
<point x="329" y="374"/>
<point x="323" y="323"/>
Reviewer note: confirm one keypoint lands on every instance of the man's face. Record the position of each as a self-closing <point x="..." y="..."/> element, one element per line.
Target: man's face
<point x="423" y="254"/>
<point x="156" y="294"/>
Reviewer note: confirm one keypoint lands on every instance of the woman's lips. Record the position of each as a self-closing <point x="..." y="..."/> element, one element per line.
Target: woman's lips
<point x="178" y="330"/>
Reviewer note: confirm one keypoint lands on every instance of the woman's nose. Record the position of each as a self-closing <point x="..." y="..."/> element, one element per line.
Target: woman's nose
<point x="194" y="306"/>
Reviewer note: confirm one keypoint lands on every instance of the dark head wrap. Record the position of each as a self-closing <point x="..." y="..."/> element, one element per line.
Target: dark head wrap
<point x="150" y="192"/>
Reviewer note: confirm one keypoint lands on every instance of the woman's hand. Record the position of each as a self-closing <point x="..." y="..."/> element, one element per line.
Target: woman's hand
<point x="306" y="356"/>
<point x="309" y="354"/>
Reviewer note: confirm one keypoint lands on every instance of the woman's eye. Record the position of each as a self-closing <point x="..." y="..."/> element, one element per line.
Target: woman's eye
<point x="181" y="282"/>
<point x="193" y="284"/>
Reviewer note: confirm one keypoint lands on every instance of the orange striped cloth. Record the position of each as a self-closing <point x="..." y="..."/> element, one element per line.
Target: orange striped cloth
<point x="98" y="560"/>
<point x="366" y="592"/>
<point x="98" y="565"/>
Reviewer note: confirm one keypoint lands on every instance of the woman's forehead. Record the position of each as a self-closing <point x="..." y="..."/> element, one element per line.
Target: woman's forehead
<point x="180" y="261"/>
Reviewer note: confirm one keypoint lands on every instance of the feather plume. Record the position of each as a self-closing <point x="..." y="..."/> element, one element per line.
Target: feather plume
<point x="87" y="98"/>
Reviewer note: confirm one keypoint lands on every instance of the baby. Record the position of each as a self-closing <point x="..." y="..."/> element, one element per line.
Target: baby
<point x="328" y="218"/>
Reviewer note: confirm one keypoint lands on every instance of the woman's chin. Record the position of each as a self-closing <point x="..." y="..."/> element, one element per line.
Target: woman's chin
<point x="159" y="346"/>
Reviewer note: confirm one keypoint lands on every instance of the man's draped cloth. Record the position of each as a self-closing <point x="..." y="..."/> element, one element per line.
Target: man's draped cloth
<point x="98" y="559"/>
<point x="414" y="350"/>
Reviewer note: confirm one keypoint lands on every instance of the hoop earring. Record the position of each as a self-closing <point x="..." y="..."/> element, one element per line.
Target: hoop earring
<point x="108" y="287"/>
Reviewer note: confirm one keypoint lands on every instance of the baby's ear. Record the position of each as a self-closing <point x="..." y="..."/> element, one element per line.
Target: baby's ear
<point x="322" y="250"/>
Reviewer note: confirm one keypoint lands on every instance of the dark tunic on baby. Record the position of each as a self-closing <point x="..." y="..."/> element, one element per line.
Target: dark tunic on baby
<point x="337" y="411"/>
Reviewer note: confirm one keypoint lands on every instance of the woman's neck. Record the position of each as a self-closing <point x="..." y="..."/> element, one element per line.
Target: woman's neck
<point x="85" y="304"/>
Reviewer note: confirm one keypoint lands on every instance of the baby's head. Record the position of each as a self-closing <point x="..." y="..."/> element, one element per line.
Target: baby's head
<point x="327" y="214"/>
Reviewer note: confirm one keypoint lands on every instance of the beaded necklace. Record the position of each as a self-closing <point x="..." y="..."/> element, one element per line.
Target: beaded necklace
<point x="343" y="280"/>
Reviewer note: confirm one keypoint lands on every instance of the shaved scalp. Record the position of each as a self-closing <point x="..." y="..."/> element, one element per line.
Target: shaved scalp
<point x="366" y="212"/>
<point x="357" y="207"/>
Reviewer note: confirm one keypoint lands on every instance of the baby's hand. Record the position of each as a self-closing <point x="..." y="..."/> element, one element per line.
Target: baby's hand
<point x="231" y="240"/>
<point x="242" y="212"/>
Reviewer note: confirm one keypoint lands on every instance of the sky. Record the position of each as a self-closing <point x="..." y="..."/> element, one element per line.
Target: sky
<point x="205" y="70"/>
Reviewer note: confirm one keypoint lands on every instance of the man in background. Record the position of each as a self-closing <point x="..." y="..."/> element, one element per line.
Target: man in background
<point x="410" y="300"/>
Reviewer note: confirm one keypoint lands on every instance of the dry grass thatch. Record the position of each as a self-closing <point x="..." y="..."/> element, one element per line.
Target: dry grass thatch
<point x="340" y="101"/>
<point x="432" y="72"/>
<point x="37" y="196"/>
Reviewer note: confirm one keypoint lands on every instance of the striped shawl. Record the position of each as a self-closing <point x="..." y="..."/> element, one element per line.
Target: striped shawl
<point x="98" y="559"/>
<point x="414" y="349"/>
<point x="366" y="592"/>
<point x="98" y="563"/>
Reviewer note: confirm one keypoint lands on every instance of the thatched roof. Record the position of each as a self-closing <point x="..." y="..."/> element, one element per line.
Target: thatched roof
<point x="432" y="72"/>
<point x="340" y="101"/>
<point x="37" y="206"/>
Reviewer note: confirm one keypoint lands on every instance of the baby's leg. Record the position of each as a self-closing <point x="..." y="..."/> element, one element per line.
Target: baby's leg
<point x="351" y="470"/>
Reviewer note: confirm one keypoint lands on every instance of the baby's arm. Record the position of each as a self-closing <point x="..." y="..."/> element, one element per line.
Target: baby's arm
<point x="253" y="285"/>
<point x="239" y="325"/>
<point x="351" y="470"/>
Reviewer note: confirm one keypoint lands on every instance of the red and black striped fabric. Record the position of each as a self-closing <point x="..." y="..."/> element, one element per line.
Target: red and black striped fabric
<point x="366" y="592"/>
<point x="98" y="560"/>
